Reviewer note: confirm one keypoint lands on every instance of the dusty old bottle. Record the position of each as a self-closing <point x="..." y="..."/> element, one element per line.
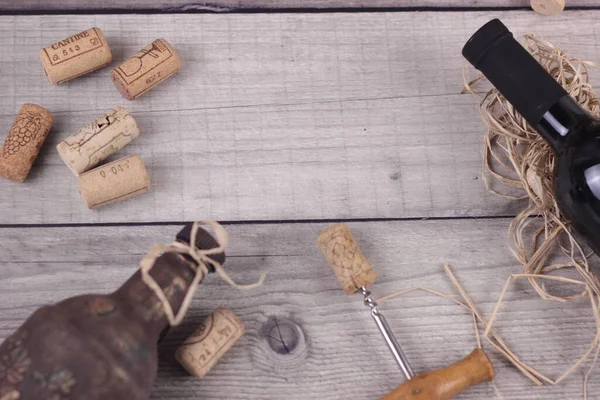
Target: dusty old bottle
<point x="99" y="347"/>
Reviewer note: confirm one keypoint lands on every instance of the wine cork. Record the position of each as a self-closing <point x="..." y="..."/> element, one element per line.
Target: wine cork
<point x="98" y="140"/>
<point x="343" y="254"/>
<point x="76" y="55"/>
<point x="24" y="141"/>
<point x="548" y="7"/>
<point x="146" y="69"/>
<point x="201" y="351"/>
<point x="114" y="182"/>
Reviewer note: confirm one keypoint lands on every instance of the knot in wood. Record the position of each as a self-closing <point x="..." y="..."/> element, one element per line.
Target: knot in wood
<point x="282" y="334"/>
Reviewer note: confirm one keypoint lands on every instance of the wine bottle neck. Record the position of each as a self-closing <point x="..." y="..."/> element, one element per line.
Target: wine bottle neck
<point x="560" y="121"/>
<point x="513" y="71"/>
<point x="517" y="75"/>
<point x="172" y="273"/>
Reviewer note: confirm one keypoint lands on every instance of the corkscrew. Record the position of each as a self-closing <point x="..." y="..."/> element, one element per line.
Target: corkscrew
<point x="356" y="274"/>
<point x="387" y="333"/>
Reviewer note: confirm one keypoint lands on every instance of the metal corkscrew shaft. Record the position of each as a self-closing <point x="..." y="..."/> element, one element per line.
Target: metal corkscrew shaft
<point x="387" y="333"/>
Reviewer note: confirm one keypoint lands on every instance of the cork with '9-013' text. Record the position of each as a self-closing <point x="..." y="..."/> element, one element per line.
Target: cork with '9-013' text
<point x="113" y="182"/>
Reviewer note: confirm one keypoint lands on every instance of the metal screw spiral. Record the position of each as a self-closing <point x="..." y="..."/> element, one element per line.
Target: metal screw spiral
<point x="368" y="300"/>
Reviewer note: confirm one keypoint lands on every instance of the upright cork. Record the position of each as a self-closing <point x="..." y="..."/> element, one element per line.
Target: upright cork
<point x="201" y="351"/>
<point x="146" y="69"/>
<point x="76" y="55"/>
<point x="114" y="182"/>
<point x="548" y="7"/>
<point x="343" y="254"/>
<point x="98" y="140"/>
<point x="24" y="141"/>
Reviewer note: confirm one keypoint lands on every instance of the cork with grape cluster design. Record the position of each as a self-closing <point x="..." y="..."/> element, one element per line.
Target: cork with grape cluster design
<point x="23" y="144"/>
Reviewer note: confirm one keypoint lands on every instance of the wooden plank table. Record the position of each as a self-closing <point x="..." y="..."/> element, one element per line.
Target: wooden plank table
<point x="277" y="125"/>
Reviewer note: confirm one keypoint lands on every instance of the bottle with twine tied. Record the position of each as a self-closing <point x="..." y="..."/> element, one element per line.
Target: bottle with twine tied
<point x="97" y="347"/>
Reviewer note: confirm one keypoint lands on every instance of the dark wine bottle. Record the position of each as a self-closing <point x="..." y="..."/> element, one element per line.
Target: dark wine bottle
<point x="572" y="132"/>
<point x="99" y="347"/>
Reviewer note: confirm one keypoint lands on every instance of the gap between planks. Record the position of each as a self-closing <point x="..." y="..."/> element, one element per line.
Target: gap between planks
<point x="277" y="117"/>
<point x="342" y="349"/>
<point x="262" y="6"/>
<point x="255" y="222"/>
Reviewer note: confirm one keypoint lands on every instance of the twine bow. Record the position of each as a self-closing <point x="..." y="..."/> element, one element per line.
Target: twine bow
<point x="202" y="259"/>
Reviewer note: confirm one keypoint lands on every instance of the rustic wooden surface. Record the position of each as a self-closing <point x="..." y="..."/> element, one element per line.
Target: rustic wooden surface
<point x="285" y="116"/>
<point x="342" y="354"/>
<point x="240" y="5"/>
<point x="275" y="119"/>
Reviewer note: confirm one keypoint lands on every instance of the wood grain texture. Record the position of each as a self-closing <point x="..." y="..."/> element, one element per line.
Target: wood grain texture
<point x="340" y="353"/>
<point x="279" y="116"/>
<point x="233" y="5"/>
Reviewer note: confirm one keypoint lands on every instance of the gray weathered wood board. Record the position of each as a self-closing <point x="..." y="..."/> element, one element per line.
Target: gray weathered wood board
<point x="342" y="355"/>
<point x="277" y="116"/>
<point x="286" y="117"/>
<point x="233" y="5"/>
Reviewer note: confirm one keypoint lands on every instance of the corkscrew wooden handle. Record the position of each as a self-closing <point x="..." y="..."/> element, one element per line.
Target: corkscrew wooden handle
<point x="444" y="383"/>
<point x="343" y="254"/>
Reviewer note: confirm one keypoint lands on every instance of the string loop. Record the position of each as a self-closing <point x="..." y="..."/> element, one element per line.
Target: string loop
<point x="201" y="267"/>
